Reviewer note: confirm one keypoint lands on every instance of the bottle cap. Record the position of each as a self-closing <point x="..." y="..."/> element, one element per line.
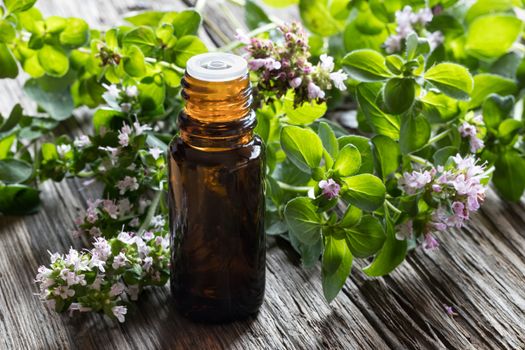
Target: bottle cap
<point x="216" y="66"/>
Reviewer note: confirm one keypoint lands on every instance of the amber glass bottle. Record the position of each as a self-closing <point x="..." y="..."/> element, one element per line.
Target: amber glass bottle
<point x="216" y="178"/>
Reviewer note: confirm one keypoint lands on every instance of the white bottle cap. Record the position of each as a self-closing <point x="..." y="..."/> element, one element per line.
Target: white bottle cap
<point x="216" y="66"/>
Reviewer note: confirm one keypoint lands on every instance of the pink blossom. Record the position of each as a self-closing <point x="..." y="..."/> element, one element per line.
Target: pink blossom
<point x="314" y="91"/>
<point x="117" y="289"/>
<point x="82" y="141"/>
<point x="330" y="188"/>
<point x="127" y="184"/>
<point x="119" y="261"/>
<point x="430" y="242"/>
<point x="405" y="230"/>
<point x="111" y="208"/>
<point x="119" y="312"/>
<point x="296" y="82"/>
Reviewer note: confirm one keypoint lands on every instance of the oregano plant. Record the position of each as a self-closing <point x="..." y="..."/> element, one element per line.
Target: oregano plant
<point x="438" y="114"/>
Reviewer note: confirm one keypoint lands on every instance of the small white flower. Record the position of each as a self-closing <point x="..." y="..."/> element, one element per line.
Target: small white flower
<point x="111" y="208"/>
<point x="315" y="91"/>
<point x="82" y="141"/>
<point x="139" y="129"/>
<point x="155" y="152"/>
<point x="63" y="149"/>
<point x="157" y="221"/>
<point x="148" y="235"/>
<point x="95" y="232"/>
<point x="148" y="261"/>
<point x="127" y="184"/>
<point x="64" y="292"/>
<point x="117" y="289"/>
<point x="112" y="90"/>
<point x="296" y="82"/>
<point x="119" y="261"/>
<point x="327" y="62"/>
<point x="338" y="78"/>
<point x="132" y="91"/>
<point x="393" y="43"/>
<point x="125" y="237"/>
<point x="124" y="206"/>
<point x="134" y="222"/>
<point x="119" y="312"/>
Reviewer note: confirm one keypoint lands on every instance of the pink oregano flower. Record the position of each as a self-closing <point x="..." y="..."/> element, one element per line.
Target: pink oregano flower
<point x="284" y="65"/>
<point x="330" y="188"/>
<point x="457" y="190"/>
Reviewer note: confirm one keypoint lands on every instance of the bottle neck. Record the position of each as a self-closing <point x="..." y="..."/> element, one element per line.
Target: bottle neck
<point x="217" y="115"/>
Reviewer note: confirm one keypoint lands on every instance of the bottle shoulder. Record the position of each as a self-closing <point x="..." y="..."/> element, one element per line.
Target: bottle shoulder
<point x="254" y="150"/>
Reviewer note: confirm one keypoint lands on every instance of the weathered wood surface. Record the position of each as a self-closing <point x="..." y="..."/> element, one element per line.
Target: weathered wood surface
<point x="479" y="270"/>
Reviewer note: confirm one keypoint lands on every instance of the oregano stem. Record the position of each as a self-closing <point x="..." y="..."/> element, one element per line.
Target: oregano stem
<point x="151" y="212"/>
<point x="391" y="206"/>
<point x="438" y="137"/>
<point x="288" y="187"/>
<point x="419" y="160"/>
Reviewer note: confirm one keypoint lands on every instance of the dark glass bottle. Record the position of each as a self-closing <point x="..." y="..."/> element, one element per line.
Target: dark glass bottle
<point x="216" y="179"/>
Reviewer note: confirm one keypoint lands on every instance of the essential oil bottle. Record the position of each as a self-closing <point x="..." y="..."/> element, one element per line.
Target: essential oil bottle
<point x="216" y="194"/>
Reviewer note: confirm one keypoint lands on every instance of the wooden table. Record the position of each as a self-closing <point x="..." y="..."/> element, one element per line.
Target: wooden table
<point x="480" y="270"/>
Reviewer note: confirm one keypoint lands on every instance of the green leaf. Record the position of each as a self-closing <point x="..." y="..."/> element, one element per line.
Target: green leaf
<point x="14" y="171"/>
<point x="302" y="146"/>
<point x="363" y="145"/>
<point x="386" y="155"/>
<point x="381" y="122"/>
<point x="351" y="217"/>
<point x="365" y="30"/>
<point x="367" y="238"/>
<point x="509" y="176"/>
<point x="52" y="94"/>
<point x="415" y="133"/>
<point x="55" y="24"/>
<point x="365" y="191"/>
<point x="486" y="84"/>
<point x="254" y="15"/>
<point x="280" y="3"/>
<point x="508" y="129"/>
<point x="337" y="263"/>
<point x="18" y="5"/>
<point x="442" y="155"/>
<point x="492" y="36"/>
<point x="151" y="98"/>
<point x="187" y="47"/>
<point x="49" y="151"/>
<point x="143" y="37"/>
<point x="309" y="253"/>
<point x="75" y="34"/>
<point x="348" y="162"/>
<point x="186" y="23"/>
<point x="399" y="94"/>
<point x="13" y="119"/>
<point x="18" y="199"/>
<point x="328" y="139"/>
<point x="390" y="256"/>
<point x="507" y="65"/>
<point x="104" y="118"/>
<point x="7" y="31"/>
<point x="366" y="66"/>
<point x="496" y="108"/>
<point x="317" y="17"/>
<point x="304" y="222"/>
<point x="451" y="79"/>
<point x="134" y="62"/>
<point x="439" y="107"/>
<point x="8" y="66"/>
<point x="304" y="114"/>
<point x="395" y="64"/>
<point x="5" y="144"/>
<point x="146" y="18"/>
<point x="53" y="60"/>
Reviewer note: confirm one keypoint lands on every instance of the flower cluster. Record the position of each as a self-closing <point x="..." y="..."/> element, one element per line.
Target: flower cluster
<point x="471" y="130"/>
<point x="107" y="277"/>
<point x="122" y="99"/>
<point x="281" y="66"/>
<point x="455" y="190"/>
<point x="409" y="21"/>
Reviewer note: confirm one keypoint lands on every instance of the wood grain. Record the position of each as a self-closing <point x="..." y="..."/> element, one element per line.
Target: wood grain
<point x="479" y="270"/>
